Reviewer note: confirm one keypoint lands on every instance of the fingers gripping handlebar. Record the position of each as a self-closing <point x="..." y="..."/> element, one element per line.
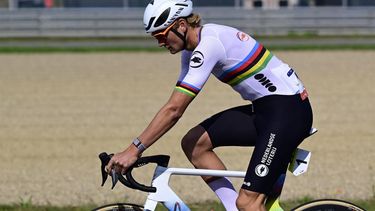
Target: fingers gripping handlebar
<point x="129" y="181"/>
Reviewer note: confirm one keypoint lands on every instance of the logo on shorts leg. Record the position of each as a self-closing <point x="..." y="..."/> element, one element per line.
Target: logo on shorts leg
<point x="248" y="184"/>
<point x="261" y="170"/>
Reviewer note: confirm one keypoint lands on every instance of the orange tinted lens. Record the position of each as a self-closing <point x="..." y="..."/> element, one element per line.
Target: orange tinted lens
<point x="159" y="33"/>
<point x="161" y="38"/>
<point x="164" y="33"/>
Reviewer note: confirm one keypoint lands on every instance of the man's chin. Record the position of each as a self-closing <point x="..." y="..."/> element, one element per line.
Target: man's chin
<point x="173" y="51"/>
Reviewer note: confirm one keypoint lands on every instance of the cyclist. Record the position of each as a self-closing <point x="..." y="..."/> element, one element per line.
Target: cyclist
<point x="276" y="122"/>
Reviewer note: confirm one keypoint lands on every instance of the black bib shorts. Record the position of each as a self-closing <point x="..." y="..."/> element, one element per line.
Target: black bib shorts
<point x="275" y="125"/>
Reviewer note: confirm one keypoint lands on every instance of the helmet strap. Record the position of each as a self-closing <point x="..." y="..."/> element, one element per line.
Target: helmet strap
<point x="182" y="37"/>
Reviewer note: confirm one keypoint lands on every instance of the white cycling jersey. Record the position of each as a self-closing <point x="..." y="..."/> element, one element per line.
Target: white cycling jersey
<point x="237" y="59"/>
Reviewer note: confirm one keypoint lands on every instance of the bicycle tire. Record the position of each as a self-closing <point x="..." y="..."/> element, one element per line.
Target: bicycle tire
<point x="328" y="205"/>
<point x="119" y="207"/>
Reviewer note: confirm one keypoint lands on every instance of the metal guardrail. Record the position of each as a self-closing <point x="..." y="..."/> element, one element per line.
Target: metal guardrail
<point x="126" y="22"/>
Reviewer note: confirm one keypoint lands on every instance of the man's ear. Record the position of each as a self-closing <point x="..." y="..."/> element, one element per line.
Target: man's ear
<point x="182" y="24"/>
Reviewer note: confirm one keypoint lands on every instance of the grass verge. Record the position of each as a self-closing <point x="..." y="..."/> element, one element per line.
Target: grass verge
<point x="148" y="44"/>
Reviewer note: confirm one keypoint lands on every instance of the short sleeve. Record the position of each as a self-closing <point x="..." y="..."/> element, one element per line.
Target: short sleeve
<point x="201" y="63"/>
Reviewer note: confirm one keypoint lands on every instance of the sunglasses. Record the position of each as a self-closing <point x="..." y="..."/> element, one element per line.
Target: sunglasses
<point x="161" y="36"/>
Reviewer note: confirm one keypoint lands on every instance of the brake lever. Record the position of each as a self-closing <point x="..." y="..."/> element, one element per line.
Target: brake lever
<point x="105" y="158"/>
<point x="114" y="176"/>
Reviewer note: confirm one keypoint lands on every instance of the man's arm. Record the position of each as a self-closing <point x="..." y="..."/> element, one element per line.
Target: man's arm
<point x="164" y="120"/>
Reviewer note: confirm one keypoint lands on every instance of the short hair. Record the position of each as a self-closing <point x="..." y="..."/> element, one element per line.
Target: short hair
<point x="194" y="20"/>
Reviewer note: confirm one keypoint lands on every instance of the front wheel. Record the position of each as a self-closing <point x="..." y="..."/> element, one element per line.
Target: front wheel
<point x="119" y="207"/>
<point x="328" y="204"/>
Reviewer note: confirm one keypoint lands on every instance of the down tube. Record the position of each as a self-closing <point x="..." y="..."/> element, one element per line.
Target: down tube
<point x="176" y="206"/>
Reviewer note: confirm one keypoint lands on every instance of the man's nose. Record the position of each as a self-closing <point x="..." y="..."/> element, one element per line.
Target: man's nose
<point x="162" y="44"/>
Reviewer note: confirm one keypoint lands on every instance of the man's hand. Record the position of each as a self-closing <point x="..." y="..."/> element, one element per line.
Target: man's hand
<point x="121" y="161"/>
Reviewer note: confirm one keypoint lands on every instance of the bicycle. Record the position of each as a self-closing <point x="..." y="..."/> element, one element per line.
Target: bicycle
<point x="161" y="192"/>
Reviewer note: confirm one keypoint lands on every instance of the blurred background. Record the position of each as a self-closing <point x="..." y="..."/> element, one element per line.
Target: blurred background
<point x="59" y="110"/>
<point x="266" y="4"/>
<point x="350" y="21"/>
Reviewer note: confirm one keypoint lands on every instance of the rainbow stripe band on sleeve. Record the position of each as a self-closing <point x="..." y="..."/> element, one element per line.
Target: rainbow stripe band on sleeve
<point x="186" y="88"/>
<point x="254" y="62"/>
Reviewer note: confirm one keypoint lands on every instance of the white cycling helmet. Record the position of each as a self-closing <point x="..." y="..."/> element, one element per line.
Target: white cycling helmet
<point x="159" y="14"/>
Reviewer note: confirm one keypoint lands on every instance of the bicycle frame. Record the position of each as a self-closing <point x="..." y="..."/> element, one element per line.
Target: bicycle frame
<point x="165" y="195"/>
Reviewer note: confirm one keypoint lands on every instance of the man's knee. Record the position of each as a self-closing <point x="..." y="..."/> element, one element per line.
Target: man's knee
<point x="195" y="142"/>
<point x="249" y="200"/>
<point x="187" y="142"/>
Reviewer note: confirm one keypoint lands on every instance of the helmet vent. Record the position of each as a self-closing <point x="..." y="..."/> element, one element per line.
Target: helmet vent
<point x="152" y="2"/>
<point x="162" y="18"/>
<point x="150" y="23"/>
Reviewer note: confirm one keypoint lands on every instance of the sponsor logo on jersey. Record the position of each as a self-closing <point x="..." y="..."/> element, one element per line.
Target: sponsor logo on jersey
<point x="243" y="36"/>
<point x="290" y="72"/>
<point x="197" y="59"/>
<point x="261" y="170"/>
<point x="265" y="82"/>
